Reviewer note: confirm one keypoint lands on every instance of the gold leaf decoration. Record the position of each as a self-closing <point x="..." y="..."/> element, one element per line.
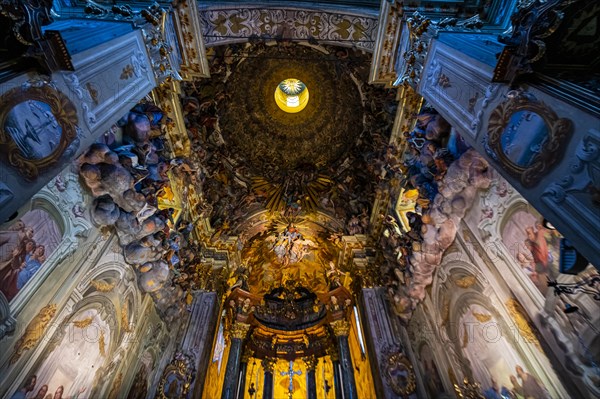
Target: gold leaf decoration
<point x="125" y="318"/>
<point x="482" y="318"/>
<point x="33" y="332"/>
<point x="465" y="282"/>
<point x="103" y="286"/>
<point x="518" y="316"/>
<point x="101" y="344"/>
<point x="83" y="323"/>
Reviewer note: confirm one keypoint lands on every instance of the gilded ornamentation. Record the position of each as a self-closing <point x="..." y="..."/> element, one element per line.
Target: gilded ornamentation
<point x="398" y="374"/>
<point x="83" y="323"/>
<point x="268" y="364"/>
<point x="115" y="386"/>
<point x="37" y="125"/>
<point x="33" y="332"/>
<point x="194" y="62"/>
<point x="246" y="355"/>
<point x="125" y="318"/>
<point x="524" y="121"/>
<point x="534" y="22"/>
<point x="340" y="327"/>
<point x="415" y="48"/>
<point x="482" y="318"/>
<point x="465" y="282"/>
<point x="311" y="362"/>
<point x="177" y="377"/>
<point x="220" y="25"/>
<point x="102" y="344"/>
<point x="468" y="390"/>
<point x="93" y="91"/>
<point x="239" y="330"/>
<point x="516" y="313"/>
<point x="101" y="285"/>
<point x="387" y="43"/>
<point x="127" y="72"/>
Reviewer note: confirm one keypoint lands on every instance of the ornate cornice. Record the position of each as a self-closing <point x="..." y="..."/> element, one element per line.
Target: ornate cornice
<point x="239" y="24"/>
<point x="340" y="328"/>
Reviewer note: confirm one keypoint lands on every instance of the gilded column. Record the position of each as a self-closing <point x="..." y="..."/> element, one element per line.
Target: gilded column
<point x="311" y="365"/>
<point x="268" y="365"/>
<point x="341" y="329"/>
<point x="237" y="334"/>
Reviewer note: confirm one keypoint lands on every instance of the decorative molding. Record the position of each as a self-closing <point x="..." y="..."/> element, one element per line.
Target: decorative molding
<point x="180" y="371"/>
<point x="33" y="332"/>
<point x="465" y="102"/>
<point x="234" y="25"/>
<point x="551" y="147"/>
<point x="518" y="317"/>
<point x="398" y="373"/>
<point x="53" y="110"/>
<point x="84" y="96"/>
<point x="7" y="322"/>
<point x="194" y="63"/>
<point x="386" y="48"/>
<point x="533" y="22"/>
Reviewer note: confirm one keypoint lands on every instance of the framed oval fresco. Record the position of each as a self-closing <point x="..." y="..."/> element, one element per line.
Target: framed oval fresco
<point x="37" y="124"/>
<point x="527" y="137"/>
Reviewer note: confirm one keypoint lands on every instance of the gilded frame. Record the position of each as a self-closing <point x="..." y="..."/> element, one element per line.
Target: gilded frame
<point x="394" y="363"/>
<point x="552" y="148"/>
<point x="180" y="369"/>
<point x="64" y="113"/>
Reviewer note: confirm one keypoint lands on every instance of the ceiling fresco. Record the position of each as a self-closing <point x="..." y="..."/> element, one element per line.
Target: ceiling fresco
<point x="288" y="186"/>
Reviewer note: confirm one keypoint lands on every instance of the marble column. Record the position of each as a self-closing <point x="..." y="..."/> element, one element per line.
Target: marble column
<point x="268" y="365"/>
<point x="230" y="384"/>
<point x="311" y="383"/>
<point x="199" y="332"/>
<point x="337" y="378"/>
<point x="341" y="329"/>
<point x="243" y="370"/>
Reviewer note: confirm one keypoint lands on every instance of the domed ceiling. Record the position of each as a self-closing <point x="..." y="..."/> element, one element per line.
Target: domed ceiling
<point x="276" y="143"/>
<point x="287" y="185"/>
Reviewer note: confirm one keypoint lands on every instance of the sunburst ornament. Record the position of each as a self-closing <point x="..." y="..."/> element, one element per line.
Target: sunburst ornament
<point x="291" y="95"/>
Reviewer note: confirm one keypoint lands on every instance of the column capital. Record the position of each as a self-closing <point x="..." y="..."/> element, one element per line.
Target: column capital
<point x="239" y="330"/>
<point x="340" y="327"/>
<point x="268" y="364"/>
<point x="311" y="362"/>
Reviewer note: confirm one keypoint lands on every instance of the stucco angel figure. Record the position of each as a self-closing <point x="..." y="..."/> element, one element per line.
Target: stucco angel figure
<point x="334" y="275"/>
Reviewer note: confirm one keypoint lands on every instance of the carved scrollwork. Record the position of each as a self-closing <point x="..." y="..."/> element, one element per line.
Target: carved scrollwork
<point x="531" y="24"/>
<point x="27" y="18"/>
<point x="398" y="373"/>
<point x="33" y="332"/>
<point x="527" y="137"/>
<point x="177" y="377"/>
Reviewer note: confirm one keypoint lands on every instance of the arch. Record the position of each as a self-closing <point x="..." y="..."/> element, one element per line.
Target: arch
<point x="58" y="204"/>
<point x="125" y="291"/>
